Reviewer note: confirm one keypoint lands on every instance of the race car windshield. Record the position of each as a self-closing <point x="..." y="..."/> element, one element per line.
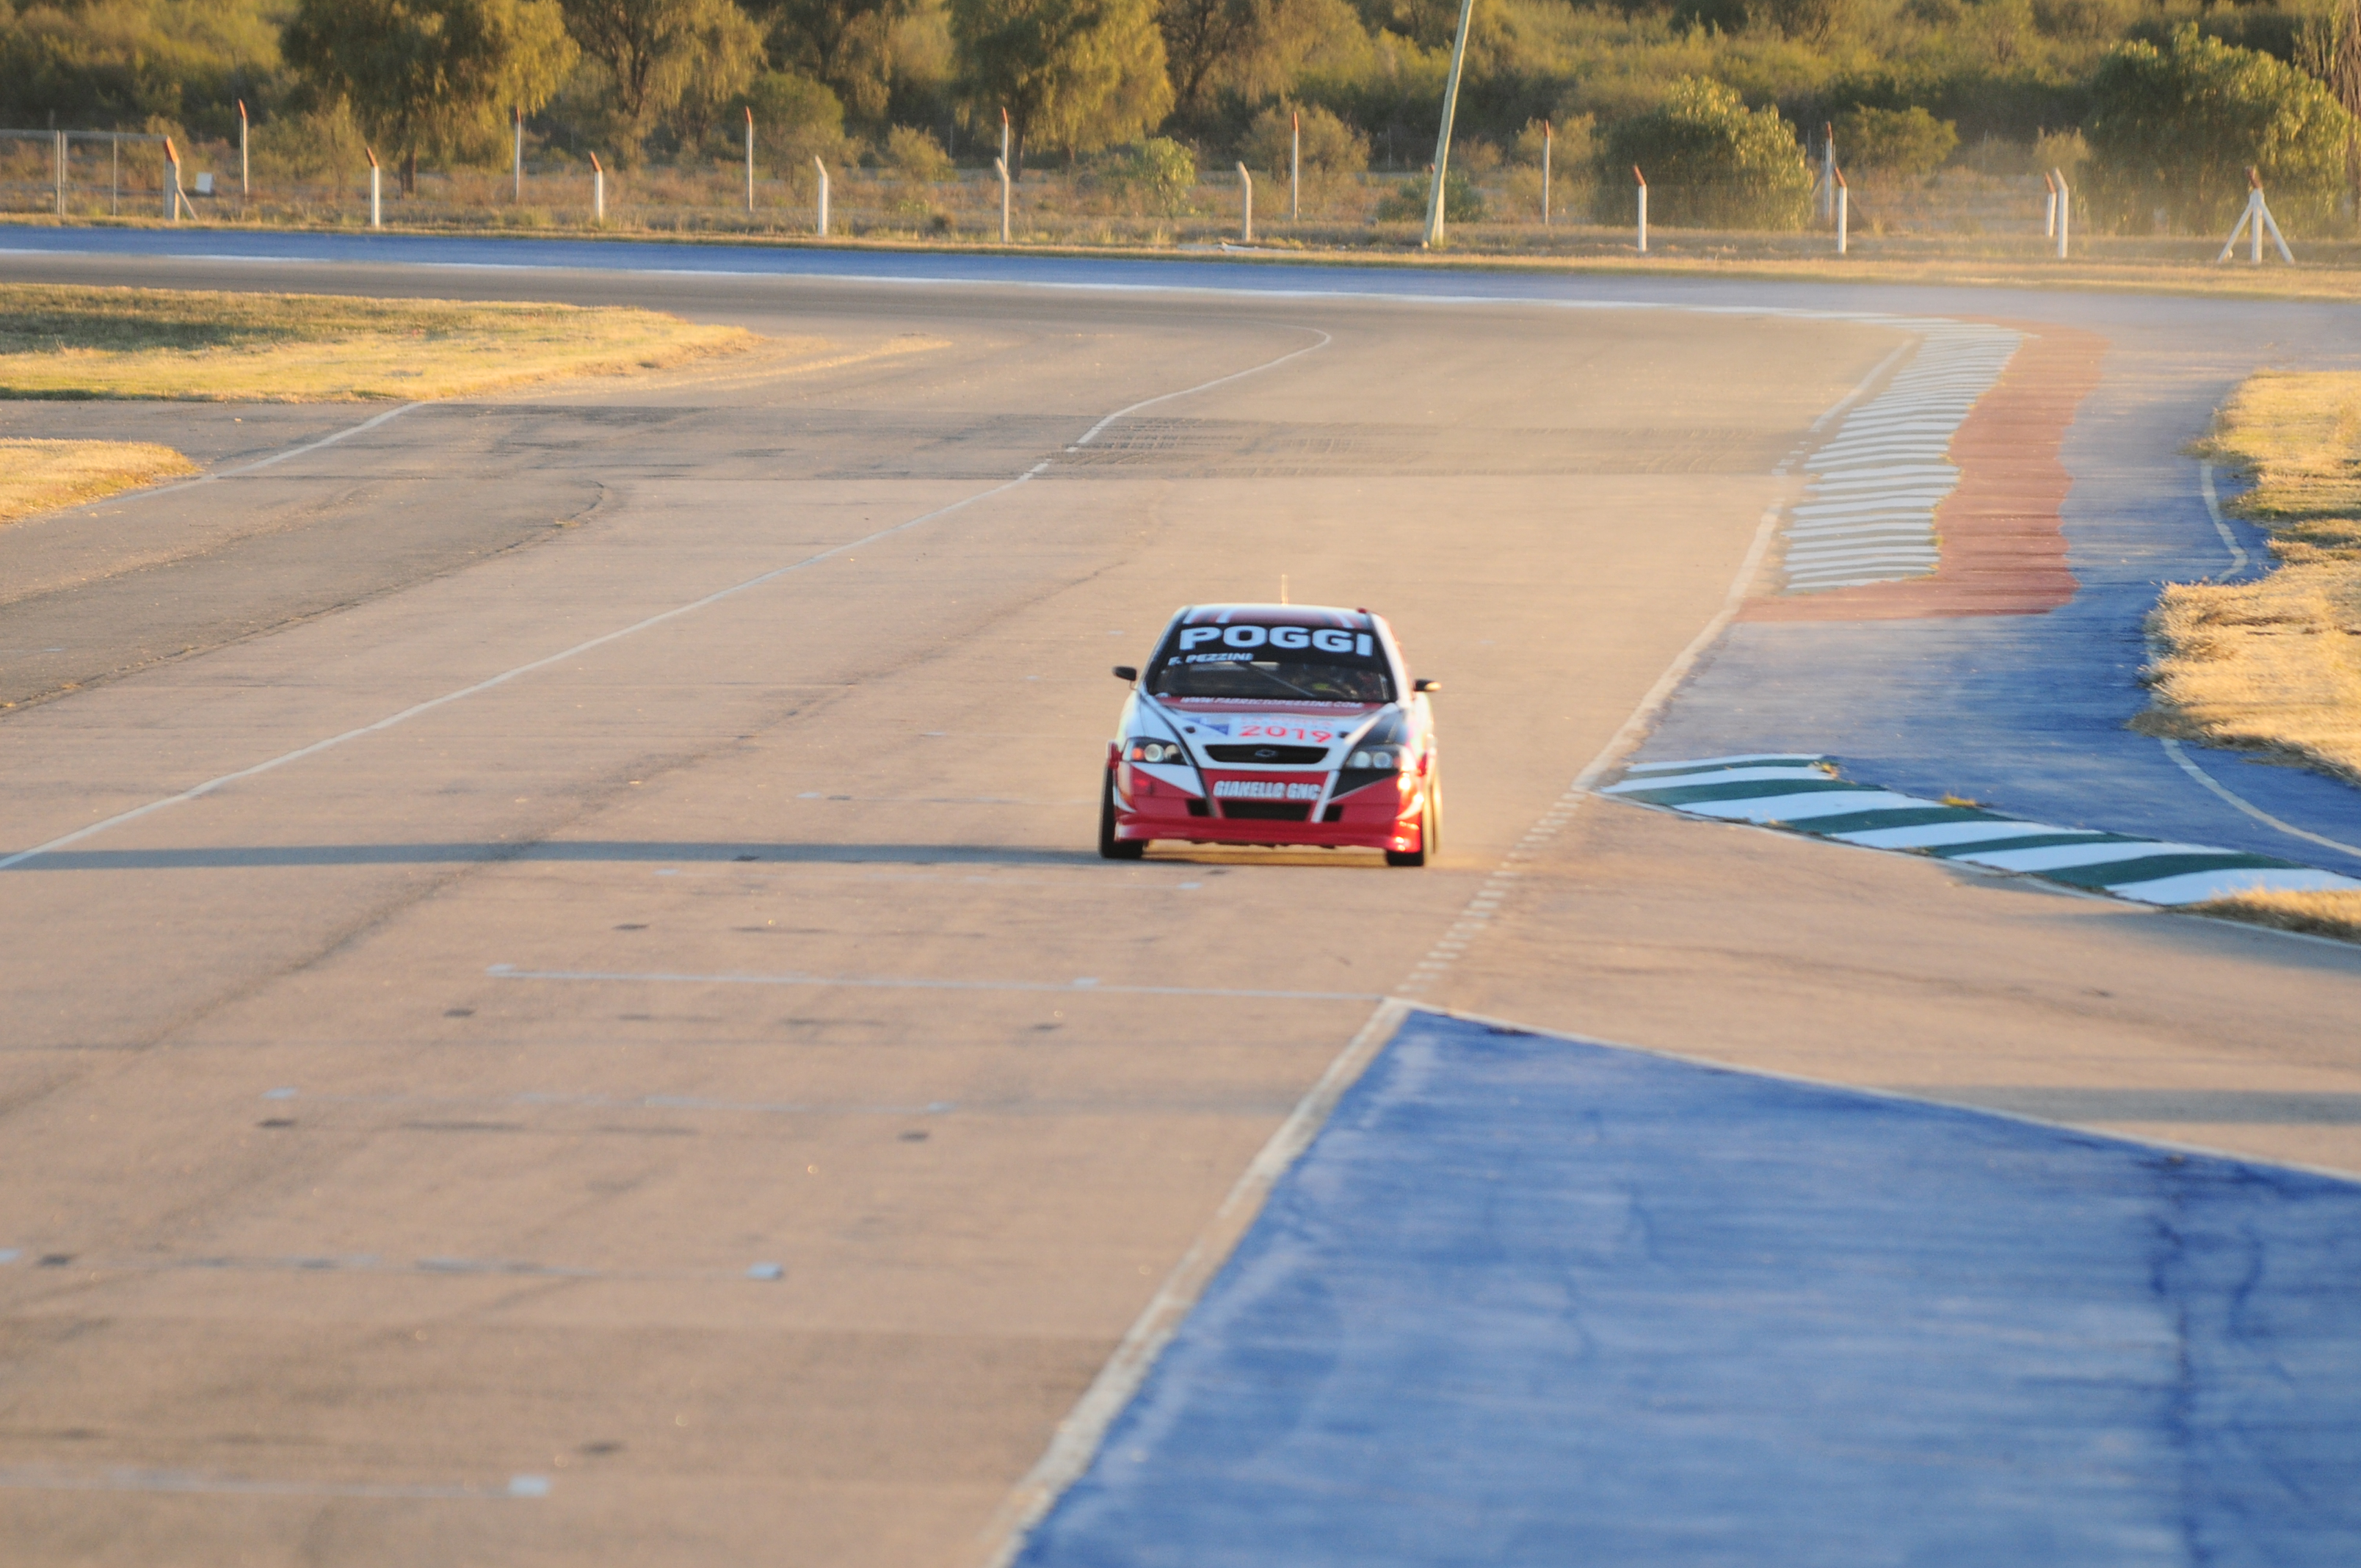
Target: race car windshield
<point x="1241" y="662"/>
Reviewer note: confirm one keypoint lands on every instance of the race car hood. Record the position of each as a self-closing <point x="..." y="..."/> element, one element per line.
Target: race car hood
<point x="1215" y="719"/>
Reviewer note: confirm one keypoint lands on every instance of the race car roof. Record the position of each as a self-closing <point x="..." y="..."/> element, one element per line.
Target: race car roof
<point x="1278" y="615"/>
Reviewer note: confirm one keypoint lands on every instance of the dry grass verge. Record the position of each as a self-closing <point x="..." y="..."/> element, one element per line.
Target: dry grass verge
<point x="39" y="475"/>
<point x="2275" y="665"/>
<point x="59" y="341"/>
<point x="2320" y="913"/>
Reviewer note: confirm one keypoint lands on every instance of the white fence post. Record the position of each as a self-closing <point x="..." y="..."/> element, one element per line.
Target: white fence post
<point x="597" y="190"/>
<point x="1844" y="204"/>
<point x="516" y="160"/>
<point x="2049" y="220"/>
<point x="2252" y="222"/>
<point x="1001" y="163"/>
<point x="1644" y="207"/>
<point x="2065" y="211"/>
<point x="58" y="157"/>
<point x="750" y="158"/>
<point x="1246" y="207"/>
<point x="376" y="215"/>
<point x="171" y="182"/>
<point x="1295" y="167"/>
<point x="823" y="194"/>
<point x="245" y="181"/>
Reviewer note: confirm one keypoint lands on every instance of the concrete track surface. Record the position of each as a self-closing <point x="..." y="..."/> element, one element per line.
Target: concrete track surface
<point x="695" y="1096"/>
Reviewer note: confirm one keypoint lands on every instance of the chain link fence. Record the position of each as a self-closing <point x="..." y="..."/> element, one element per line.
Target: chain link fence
<point x="1956" y="213"/>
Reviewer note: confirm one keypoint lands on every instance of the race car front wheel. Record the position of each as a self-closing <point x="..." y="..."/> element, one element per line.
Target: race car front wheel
<point x="1110" y="847"/>
<point x="1430" y="831"/>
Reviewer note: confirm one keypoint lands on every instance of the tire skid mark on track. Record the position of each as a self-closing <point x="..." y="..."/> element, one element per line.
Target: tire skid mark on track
<point x="661" y="618"/>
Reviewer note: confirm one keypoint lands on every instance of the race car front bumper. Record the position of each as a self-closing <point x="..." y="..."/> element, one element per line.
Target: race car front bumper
<point x="1377" y="817"/>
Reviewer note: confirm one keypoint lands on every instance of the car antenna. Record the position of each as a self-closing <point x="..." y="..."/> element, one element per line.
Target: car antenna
<point x="1282" y="588"/>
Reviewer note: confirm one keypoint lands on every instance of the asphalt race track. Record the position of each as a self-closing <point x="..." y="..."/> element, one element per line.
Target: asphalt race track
<point x="592" y="1030"/>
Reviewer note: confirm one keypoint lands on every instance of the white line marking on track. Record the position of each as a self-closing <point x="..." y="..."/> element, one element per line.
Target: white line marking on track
<point x="431" y="704"/>
<point x="2213" y="511"/>
<point x="42" y="1478"/>
<point x="276" y="457"/>
<point x="1085" y="986"/>
<point x="2172" y="749"/>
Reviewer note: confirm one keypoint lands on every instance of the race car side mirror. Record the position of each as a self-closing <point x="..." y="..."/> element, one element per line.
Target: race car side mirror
<point x="1426" y="685"/>
<point x="1125" y="672"/>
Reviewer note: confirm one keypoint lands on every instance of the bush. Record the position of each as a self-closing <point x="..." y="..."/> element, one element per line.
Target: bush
<point x="915" y="154"/>
<point x="2177" y="127"/>
<point x="1710" y="162"/>
<point x="1159" y="173"/>
<point x="1406" y="203"/>
<point x="795" y="118"/>
<point x="1330" y="145"/>
<point x="1907" y="141"/>
<point x="1572" y="161"/>
<point x="1333" y="152"/>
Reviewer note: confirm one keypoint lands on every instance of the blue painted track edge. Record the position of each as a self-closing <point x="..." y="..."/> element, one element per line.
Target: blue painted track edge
<point x="1030" y="1505"/>
<point x="1903" y="1097"/>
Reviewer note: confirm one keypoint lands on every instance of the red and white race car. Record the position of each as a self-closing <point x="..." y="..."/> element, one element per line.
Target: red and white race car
<point x="1274" y="724"/>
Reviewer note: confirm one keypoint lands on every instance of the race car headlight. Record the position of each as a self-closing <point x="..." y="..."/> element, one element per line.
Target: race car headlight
<point x="1146" y="751"/>
<point x="1381" y="758"/>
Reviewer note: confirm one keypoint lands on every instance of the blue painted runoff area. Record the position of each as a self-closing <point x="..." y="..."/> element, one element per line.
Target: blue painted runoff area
<point x="1528" y="1299"/>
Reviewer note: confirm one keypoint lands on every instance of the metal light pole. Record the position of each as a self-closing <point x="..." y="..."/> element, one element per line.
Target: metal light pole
<point x="1442" y="139"/>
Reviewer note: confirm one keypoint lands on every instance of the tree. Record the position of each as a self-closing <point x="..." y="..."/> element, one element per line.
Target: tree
<point x="848" y="44"/>
<point x="1254" y="48"/>
<point x="1907" y="141"/>
<point x="1077" y="75"/>
<point x="430" y="75"/>
<point x="795" y="118"/>
<point x="2178" y="127"/>
<point x="1710" y="162"/>
<point x="664" y="56"/>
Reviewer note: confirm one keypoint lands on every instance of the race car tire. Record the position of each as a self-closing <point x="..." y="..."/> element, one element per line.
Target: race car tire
<point x="1110" y="847"/>
<point x="1430" y="831"/>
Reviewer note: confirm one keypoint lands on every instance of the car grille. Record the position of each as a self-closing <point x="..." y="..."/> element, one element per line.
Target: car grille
<point x="1269" y="810"/>
<point x="1293" y="755"/>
